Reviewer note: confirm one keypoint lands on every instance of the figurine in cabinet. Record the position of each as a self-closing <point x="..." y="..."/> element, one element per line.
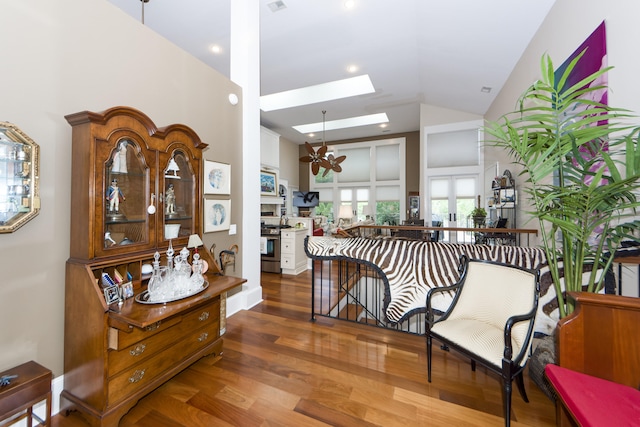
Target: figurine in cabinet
<point x="114" y="194"/>
<point x="170" y="198"/>
<point x="120" y="159"/>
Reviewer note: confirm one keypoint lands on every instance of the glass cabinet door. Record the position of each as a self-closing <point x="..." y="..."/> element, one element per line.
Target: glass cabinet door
<point x="179" y="196"/>
<point x="19" y="164"/>
<point x="128" y="203"/>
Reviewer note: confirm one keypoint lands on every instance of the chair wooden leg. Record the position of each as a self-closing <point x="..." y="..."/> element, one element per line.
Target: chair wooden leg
<point x="507" y="379"/>
<point x="521" y="389"/>
<point x="506" y="400"/>
<point x="429" y="345"/>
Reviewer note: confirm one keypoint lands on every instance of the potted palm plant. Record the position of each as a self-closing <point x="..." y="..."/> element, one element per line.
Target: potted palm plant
<point x="581" y="163"/>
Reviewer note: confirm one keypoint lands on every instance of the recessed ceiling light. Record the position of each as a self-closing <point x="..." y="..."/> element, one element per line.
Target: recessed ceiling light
<point x="352" y="68"/>
<point x="318" y="93"/>
<point x="384" y="125"/>
<point x="349" y="4"/>
<point x="216" y="49"/>
<point x="371" y="119"/>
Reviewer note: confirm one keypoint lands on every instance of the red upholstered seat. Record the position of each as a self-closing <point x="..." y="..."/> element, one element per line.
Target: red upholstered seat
<point x="593" y="401"/>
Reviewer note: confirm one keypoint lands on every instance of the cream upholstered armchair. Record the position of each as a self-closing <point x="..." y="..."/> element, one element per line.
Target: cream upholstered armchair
<point x="490" y="320"/>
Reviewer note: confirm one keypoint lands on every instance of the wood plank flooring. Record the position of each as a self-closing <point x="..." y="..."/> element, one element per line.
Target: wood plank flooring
<point x="281" y="369"/>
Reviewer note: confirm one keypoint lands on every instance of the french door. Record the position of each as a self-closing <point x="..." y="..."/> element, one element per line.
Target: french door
<point x="451" y="200"/>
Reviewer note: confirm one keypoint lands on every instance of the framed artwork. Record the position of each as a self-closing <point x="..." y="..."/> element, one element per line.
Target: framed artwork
<point x="111" y="294"/>
<point x="217" y="178"/>
<point x="126" y="289"/>
<point x="268" y="183"/>
<point x="217" y="215"/>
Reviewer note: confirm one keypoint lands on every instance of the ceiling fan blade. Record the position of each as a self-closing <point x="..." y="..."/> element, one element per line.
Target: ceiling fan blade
<point x="310" y="149"/>
<point x="322" y="150"/>
<point x="306" y="159"/>
<point x="315" y="168"/>
<point x="337" y="168"/>
<point x="325" y="163"/>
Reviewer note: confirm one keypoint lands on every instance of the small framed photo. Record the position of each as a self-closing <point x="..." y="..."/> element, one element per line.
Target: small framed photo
<point x="217" y="178"/>
<point x="268" y="183"/>
<point x="126" y="290"/>
<point x="111" y="294"/>
<point x="217" y="215"/>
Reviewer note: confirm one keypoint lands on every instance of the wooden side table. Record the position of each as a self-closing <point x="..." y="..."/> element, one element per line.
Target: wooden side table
<point x="32" y="385"/>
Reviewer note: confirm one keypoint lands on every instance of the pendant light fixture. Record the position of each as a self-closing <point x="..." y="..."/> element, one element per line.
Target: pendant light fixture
<point x="319" y="158"/>
<point x="143" y="2"/>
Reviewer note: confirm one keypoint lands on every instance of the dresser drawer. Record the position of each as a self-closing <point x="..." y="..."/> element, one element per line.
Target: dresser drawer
<point x="287" y="246"/>
<point x="139" y="375"/>
<point x="287" y="262"/>
<point x="120" y="339"/>
<point x="151" y="343"/>
<point x="288" y="235"/>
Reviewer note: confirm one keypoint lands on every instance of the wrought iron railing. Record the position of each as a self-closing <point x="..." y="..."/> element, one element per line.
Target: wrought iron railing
<point x="354" y="291"/>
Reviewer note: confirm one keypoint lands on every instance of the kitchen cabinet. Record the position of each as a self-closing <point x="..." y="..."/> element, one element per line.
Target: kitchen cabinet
<point x="269" y="148"/>
<point x="293" y="259"/>
<point x="118" y="349"/>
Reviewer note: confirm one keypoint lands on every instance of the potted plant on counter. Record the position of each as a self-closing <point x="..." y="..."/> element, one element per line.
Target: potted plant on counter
<point x="479" y="215"/>
<point x="581" y="161"/>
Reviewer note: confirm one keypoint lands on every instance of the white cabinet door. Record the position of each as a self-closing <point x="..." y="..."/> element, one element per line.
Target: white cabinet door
<point x="269" y="148"/>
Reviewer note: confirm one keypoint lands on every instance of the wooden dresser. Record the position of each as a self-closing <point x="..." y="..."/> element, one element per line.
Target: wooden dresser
<point x="117" y="352"/>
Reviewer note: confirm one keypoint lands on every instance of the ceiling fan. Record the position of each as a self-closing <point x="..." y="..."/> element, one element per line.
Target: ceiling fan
<point x="320" y="158"/>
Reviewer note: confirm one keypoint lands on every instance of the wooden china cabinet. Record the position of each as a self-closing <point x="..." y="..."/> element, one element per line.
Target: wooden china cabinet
<point x="135" y="190"/>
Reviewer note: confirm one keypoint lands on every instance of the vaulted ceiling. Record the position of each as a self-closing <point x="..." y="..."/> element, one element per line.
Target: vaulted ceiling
<point x="443" y="53"/>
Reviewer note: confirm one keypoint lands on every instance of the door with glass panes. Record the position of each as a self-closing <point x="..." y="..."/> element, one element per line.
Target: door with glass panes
<point x="451" y="200"/>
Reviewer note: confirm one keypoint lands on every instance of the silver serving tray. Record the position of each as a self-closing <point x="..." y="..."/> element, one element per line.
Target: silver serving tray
<point x="143" y="297"/>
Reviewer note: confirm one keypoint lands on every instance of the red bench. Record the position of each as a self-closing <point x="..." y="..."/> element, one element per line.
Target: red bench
<point x="592" y="401"/>
<point x="598" y="348"/>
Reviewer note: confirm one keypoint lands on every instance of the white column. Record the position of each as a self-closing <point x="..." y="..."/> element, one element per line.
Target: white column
<point x="245" y="71"/>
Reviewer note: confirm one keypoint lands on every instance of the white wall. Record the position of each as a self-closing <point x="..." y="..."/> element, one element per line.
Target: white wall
<point x="61" y="57"/>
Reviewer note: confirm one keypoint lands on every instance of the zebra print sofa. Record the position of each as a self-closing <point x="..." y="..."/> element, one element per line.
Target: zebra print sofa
<point x="409" y="268"/>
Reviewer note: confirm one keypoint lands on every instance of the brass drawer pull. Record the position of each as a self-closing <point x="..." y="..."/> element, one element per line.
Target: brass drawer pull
<point x="137" y="376"/>
<point x="204" y="316"/>
<point x="154" y="326"/>
<point x="138" y="350"/>
<point x="203" y="336"/>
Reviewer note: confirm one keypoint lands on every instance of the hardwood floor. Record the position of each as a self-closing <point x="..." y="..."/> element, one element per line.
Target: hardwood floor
<point x="281" y="369"/>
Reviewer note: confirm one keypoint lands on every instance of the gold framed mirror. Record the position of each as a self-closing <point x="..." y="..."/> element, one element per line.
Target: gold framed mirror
<point x="19" y="178"/>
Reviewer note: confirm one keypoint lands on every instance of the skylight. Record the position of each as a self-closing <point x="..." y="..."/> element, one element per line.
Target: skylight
<point x="338" y="89"/>
<point x="351" y="122"/>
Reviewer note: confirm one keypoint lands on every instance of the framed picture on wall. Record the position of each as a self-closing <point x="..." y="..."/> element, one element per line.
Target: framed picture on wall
<point x="217" y="178"/>
<point x="268" y="183"/>
<point x="217" y="215"/>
